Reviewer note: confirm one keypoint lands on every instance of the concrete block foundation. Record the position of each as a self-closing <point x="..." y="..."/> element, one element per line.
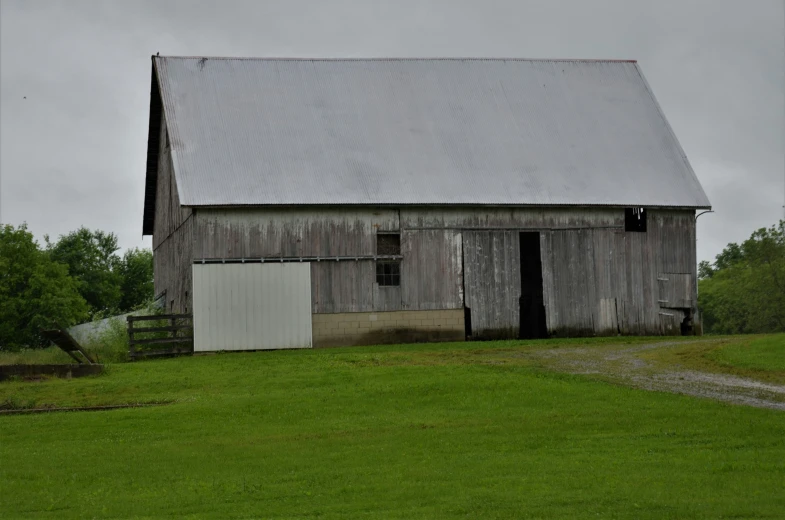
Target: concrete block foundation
<point x="373" y="328"/>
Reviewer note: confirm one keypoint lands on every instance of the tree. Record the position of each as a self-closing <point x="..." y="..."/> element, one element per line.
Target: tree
<point x="137" y="278"/>
<point x="92" y="261"/>
<point x="110" y="284"/>
<point x="744" y="290"/>
<point x="35" y="292"/>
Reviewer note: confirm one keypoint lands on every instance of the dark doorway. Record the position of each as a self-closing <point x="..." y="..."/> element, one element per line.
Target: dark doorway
<point x="531" y="302"/>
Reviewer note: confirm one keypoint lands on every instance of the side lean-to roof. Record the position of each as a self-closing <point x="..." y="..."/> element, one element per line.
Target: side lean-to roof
<point x="414" y="131"/>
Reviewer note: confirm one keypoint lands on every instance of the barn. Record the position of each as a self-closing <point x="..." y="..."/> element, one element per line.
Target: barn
<point x="299" y="203"/>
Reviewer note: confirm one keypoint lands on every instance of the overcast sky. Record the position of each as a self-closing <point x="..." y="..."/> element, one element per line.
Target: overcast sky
<point x="73" y="152"/>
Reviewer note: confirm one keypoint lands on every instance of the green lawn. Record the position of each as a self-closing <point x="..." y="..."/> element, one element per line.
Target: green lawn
<point x="766" y="354"/>
<point x="756" y="357"/>
<point x="426" y="431"/>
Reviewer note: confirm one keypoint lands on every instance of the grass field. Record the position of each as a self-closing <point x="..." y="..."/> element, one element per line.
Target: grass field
<point x="766" y="354"/>
<point x="464" y="430"/>
<point x="757" y="357"/>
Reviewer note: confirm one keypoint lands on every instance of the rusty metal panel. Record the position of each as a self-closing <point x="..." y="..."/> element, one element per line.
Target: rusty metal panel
<point x="251" y="306"/>
<point x="431" y="272"/>
<point x="420" y="131"/>
<point x="492" y="282"/>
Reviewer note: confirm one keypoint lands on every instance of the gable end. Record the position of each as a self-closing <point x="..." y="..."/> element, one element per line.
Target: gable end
<point x="153" y="143"/>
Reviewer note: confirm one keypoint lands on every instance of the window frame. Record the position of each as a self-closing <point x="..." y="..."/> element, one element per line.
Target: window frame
<point x="636" y="219"/>
<point x="388" y="266"/>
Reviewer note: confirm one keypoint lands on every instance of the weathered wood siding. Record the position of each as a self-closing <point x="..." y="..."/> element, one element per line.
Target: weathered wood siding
<point x="492" y="282"/>
<point x="521" y="219"/>
<point x="597" y="278"/>
<point x="347" y="287"/>
<point x="290" y="232"/>
<point x="677" y="291"/>
<point x="169" y="215"/>
<point x="604" y="281"/>
<point x="431" y="275"/>
<point x="172" y="261"/>
<point x="344" y="286"/>
<point x="569" y="283"/>
<point x="172" y="237"/>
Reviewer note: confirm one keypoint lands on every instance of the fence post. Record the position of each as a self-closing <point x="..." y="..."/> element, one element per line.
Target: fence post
<point x="131" y="347"/>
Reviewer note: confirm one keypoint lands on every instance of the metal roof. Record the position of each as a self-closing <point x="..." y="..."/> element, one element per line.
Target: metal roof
<point x="420" y="131"/>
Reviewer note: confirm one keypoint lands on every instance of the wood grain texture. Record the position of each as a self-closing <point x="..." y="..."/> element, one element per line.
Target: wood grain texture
<point x="492" y="282"/>
<point x="597" y="278"/>
<point x="169" y="214"/>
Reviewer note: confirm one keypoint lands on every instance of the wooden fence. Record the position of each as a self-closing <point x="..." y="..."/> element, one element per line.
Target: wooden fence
<point x="176" y="336"/>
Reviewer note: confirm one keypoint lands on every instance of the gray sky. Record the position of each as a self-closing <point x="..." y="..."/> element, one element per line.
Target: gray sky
<point x="73" y="153"/>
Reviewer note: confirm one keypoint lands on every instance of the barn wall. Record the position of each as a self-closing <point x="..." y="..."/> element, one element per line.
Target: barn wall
<point x="608" y="281"/>
<point x="431" y="276"/>
<point x="172" y="237"/>
<point x="521" y="219"/>
<point x="169" y="215"/>
<point x="597" y="278"/>
<point x="290" y="232"/>
<point x="172" y="261"/>
<point x="431" y="270"/>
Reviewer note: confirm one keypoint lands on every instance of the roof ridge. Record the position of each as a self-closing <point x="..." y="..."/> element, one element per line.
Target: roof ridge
<point x="399" y="58"/>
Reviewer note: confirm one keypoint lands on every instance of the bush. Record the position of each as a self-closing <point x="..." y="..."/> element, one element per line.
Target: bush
<point x="35" y="291"/>
<point x="111" y="344"/>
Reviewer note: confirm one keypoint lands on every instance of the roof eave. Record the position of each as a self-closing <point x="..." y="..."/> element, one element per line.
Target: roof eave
<point x="153" y="148"/>
<point x="442" y="205"/>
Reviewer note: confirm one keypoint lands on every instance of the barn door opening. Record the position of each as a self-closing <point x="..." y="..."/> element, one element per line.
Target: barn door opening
<point x="532" y="313"/>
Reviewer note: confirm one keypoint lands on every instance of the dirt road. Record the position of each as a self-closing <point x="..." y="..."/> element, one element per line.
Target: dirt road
<point x="624" y="364"/>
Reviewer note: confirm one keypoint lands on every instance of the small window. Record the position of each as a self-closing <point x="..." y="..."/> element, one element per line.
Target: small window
<point x="388" y="271"/>
<point x="635" y="220"/>
<point x="388" y="244"/>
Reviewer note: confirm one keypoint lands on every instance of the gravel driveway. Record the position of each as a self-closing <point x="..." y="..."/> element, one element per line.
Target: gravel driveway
<point x="624" y="365"/>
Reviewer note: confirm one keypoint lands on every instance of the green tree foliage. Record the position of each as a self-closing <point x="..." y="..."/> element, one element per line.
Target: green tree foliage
<point x="136" y="270"/>
<point x="35" y="291"/>
<point x="92" y="261"/>
<point x="743" y="291"/>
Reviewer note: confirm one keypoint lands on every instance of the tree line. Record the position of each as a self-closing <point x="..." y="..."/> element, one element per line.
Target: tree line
<point x="743" y="290"/>
<point x="76" y="278"/>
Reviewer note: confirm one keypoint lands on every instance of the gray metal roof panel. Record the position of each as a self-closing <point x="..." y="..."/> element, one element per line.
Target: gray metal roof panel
<point x="420" y="131"/>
